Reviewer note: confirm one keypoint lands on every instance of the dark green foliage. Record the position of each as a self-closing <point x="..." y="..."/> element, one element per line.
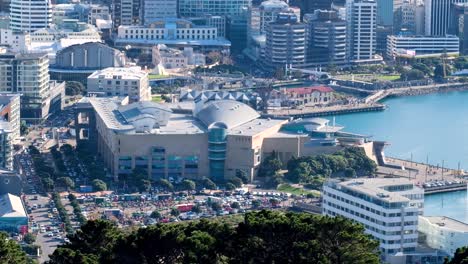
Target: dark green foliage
<point x="74" y="88"/>
<point x="29" y="238"/>
<point x="10" y="251"/>
<point x="99" y="185"/>
<point x="236" y="181"/>
<point x="412" y="75"/>
<point x="263" y="237"/>
<point x="348" y="163"/>
<point x="208" y="184"/>
<point x="460" y="256"/>
<point x="269" y="166"/>
<point x="62" y="212"/>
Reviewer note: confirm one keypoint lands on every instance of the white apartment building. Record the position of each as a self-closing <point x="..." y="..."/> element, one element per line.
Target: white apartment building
<point x="157" y="9"/>
<point x="175" y="58"/>
<point x="131" y="82"/>
<point x="443" y="233"/>
<point x="388" y="209"/>
<point x="362" y="23"/>
<point x="17" y="41"/>
<point x="30" y="15"/>
<point x="422" y="46"/>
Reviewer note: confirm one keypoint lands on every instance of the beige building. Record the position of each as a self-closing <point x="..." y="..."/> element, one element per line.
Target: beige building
<point x="131" y="82"/>
<point x="219" y="139"/>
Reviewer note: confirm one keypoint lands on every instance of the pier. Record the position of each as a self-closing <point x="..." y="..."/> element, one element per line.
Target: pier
<point x="325" y="111"/>
<point x="433" y="178"/>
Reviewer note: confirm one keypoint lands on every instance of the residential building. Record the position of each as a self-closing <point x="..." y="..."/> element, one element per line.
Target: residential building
<point x="387" y="207"/>
<point x="154" y="10"/>
<point x="422" y="46"/>
<point x="131" y="82"/>
<point x="285" y="42"/>
<point x="27" y="74"/>
<point x="9" y="131"/>
<point x="77" y="62"/>
<point x="16" y="41"/>
<point x="268" y="11"/>
<point x="97" y="11"/>
<point x="213" y="137"/>
<point x="10" y="112"/>
<point x="30" y="15"/>
<point x="175" y="58"/>
<point x="438" y="16"/>
<point x="443" y="233"/>
<point x="13" y="217"/>
<point x="172" y="33"/>
<point x="362" y="22"/>
<point x="326" y="38"/>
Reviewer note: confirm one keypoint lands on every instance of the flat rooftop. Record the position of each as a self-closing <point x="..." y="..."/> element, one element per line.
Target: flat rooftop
<point x="255" y="126"/>
<point x="130" y="73"/>
<point x="376" y="187"/>
<point x="448" y="222"/>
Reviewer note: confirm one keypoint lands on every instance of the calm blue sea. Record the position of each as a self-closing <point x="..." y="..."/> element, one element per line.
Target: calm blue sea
<point x="431" y="126"/>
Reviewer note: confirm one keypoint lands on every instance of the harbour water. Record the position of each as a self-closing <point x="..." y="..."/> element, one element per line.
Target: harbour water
<point x="431" y="127"/>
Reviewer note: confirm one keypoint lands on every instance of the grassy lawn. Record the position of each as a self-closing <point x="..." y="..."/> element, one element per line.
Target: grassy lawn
<point x="294" y="190"/>
<point x="156" y="76"/>
<point x="370" y="77"/>
<point x="157" y="99"/>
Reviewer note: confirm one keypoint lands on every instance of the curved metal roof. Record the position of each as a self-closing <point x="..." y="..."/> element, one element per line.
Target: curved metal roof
<point x="228" y="112"/>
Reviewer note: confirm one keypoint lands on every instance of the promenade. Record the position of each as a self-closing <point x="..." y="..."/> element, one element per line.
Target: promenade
<point x="421" y="173"/>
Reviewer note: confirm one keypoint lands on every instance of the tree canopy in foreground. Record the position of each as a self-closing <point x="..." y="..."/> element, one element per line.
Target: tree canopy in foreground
<point x="262" y="237"/>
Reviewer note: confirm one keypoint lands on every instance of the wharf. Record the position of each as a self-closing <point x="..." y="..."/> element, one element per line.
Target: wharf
<point x="325" y="111"/>
<point x="421" y="173"/>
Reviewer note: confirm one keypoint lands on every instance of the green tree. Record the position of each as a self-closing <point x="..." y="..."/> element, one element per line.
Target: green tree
<point x="439" y="71"/>
<point x="74" y="88"/>
<point x="99" y="185"/>
<point x="29" y="238"/>
<point x="235" y="205"/>
<point x="10" y="251"/>
<point x="236" y="182"/>
<point x="23" y="128"/>
<point x="241" y="174"/>
<point x="300" y="173"/>
<point x="229" y="186"/>
<point x="156" y="214"/>
<point x="256" y="203"/>
<point x="412" y="75"/>
<point x="165" y="184"/>
<point x="269" y="166"/>
<point x="208" y="184"/>
<point x="66" y="182"/>
<point x="460" y="256"/>
<point x="188" y="185"/>
<point x="216" y="207"/>
<point x="196" y="209"/>
<point x="175" y="212"/>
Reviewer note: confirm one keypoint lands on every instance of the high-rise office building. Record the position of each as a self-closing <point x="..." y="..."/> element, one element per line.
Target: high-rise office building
<point x="285" y="42"/>
<point x="438" y="16"/>
<point x="326" y="38"/>
<point x="388" y="209"/>
<point x="199" y="8"/>
<point x="30" y="15"/>
<point x="361" y="17"/>
<point x="157" y="9"/>
<point x="126" y="12"/>
<point x="405" y="17"/>
<point x="386" y="10"/>
<point x="28" y="75"/>
<point x="459" y="25"/>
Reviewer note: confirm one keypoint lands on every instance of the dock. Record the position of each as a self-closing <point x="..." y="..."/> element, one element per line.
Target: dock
<point x="423" y="174"/>
<point x="325" y="111"/>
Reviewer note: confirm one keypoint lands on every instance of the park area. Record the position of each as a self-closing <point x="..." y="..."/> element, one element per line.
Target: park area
<point x="369" y="77"/>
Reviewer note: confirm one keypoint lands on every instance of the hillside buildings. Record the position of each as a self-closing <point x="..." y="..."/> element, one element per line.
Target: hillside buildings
<point x="388" y="209"/>
<point x="131" y="82"/>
